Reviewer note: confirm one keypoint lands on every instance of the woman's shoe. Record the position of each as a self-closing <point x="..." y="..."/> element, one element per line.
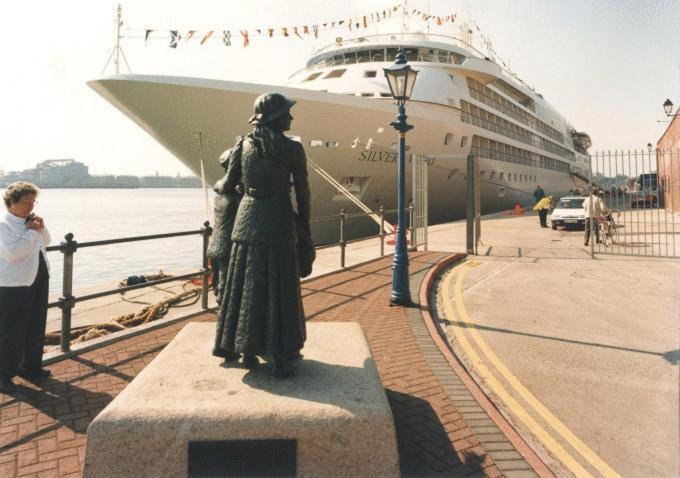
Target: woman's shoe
<point x="250" y="361"/>
<point x="36" y="374"/>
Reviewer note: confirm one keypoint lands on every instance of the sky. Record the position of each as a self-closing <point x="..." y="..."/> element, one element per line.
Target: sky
<point x="606" y="65"/>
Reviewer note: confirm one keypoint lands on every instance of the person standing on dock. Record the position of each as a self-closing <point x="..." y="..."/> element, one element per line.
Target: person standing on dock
<point x="24" y="287"/>
<point x="538" y="194"/>
<point x="593" y="207"/>
<point x="261" y="313"/>
<point x="543" y="207"/>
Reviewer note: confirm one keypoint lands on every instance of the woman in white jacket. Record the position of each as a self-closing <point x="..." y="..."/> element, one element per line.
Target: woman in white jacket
<point x="24" y="287"/>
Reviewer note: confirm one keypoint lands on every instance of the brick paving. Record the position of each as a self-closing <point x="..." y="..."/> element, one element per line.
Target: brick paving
<point x="42" y="427"/>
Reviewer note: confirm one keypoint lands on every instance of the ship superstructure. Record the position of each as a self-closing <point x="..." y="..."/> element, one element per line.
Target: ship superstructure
<point x="462" y="102"/>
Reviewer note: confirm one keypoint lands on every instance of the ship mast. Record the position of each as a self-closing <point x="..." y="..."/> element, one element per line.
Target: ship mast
<point x="117" y="50"/>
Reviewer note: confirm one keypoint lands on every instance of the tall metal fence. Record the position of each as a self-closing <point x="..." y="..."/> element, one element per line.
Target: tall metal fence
<point x="419" y="217"/>
<point x="641" y="191"/>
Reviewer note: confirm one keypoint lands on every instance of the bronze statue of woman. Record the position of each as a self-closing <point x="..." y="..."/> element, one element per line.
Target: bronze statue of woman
<point x="261" y="310"/>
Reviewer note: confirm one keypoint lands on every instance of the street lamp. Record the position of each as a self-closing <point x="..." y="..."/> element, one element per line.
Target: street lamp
<point x="400" y="78"/>
<point x="668" y="108"/>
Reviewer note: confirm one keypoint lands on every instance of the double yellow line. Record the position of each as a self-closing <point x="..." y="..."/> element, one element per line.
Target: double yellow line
<point x="499" y="389"/>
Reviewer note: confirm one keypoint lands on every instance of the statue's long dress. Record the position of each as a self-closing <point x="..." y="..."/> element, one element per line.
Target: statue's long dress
<point x="261" y="311"/>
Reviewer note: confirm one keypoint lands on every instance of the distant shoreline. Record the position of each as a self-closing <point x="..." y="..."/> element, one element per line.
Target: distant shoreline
<point x="117" y="187"/>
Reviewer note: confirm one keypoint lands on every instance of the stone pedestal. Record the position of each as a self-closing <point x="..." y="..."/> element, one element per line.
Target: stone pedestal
<point x="186" y="414"/>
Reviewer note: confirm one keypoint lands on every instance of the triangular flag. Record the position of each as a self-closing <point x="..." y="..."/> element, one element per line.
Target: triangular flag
<point x="206" y="36"/>
<point x="175" y="37"/>
<point x="190" y="34"/>
<point x="315" y="29"/>
<point x="305" y="30"/>
<point x="244" y="34"/>
<point x="146" y="35"/>
<point x="271" y="32"/>
<point x="295" y="30"/>
<point x="285" y="31"/>
<point x="226" y="37"/>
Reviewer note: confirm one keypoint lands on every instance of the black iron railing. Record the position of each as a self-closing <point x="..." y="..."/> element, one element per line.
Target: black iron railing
<point x="69" y="247"/>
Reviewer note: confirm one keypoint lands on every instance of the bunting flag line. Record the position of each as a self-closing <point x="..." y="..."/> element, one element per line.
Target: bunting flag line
<point x="353" y="24"/>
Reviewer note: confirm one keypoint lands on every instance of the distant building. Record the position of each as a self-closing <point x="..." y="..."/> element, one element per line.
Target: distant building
<point x="68" y="173"/>
<point x="61" y="173"/>
<point x="669" y="164"/>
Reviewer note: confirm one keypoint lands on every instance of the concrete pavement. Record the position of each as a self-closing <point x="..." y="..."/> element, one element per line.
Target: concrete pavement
<point x="581" y="354"/>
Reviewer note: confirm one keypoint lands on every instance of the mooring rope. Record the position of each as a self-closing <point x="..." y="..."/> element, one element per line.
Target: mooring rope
<point x="147" y="314"/>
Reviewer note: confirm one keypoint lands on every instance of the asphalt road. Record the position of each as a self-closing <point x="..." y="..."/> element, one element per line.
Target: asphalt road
<point x="581" y="354"/>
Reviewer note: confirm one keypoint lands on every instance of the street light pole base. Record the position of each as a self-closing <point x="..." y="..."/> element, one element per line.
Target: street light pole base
<point x="401" y="302"/>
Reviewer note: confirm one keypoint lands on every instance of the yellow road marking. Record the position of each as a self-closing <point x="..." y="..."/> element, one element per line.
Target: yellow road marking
<point x="551" y="419"/>
<point x="572" y="464"/>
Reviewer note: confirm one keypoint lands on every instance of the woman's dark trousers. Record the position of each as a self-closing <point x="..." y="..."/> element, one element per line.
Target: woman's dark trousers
<point x="23" y="316"/>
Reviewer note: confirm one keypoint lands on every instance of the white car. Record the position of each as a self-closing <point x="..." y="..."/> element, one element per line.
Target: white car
<point x="569" y="212"/>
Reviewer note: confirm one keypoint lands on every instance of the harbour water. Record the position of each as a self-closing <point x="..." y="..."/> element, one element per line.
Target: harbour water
<point x="98" y="214"/>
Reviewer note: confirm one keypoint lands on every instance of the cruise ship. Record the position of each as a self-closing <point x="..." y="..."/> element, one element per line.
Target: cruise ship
<point x="463" y="102"/>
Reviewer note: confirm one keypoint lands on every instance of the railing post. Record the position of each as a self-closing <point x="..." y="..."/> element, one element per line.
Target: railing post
<point x="206" y="231"/>
<point x="343" y="242"/>
<point x="382" y="231"/>
<point x="66" y="301"/>
<point x="411" y="227"/>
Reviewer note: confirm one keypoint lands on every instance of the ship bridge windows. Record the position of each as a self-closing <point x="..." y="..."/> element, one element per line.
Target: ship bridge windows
<point x="370" y="74"/>
<point x="384" y="54"/>
<point x="363" y="56"/>
<point x="335" y="73"/>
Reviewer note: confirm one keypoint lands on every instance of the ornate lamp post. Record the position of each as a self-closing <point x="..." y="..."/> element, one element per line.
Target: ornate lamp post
<point x="401" y="79"/>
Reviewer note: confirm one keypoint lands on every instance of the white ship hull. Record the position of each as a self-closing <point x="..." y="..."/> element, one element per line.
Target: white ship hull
<point x="197" y="119"/>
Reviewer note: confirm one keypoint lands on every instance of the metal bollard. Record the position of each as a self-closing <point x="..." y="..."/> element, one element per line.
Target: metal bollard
<point x="67" y="301"/>
<point x="343" y="243"/>
<point x="206" y="231"/>
<point x="382" y="231"/>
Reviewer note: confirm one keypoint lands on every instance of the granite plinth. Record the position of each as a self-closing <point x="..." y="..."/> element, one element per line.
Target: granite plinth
<point x="334" y="408"/>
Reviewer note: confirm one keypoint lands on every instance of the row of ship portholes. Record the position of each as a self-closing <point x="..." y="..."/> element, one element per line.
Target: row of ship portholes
<point x="514" y="177"/>
<point x="521" y="178"/>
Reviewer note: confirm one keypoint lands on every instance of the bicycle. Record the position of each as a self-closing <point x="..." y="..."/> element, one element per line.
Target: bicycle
<point x="608" y="228"/>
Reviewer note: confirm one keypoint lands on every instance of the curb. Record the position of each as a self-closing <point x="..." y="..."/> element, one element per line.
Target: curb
<point x="457" y="366"/>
